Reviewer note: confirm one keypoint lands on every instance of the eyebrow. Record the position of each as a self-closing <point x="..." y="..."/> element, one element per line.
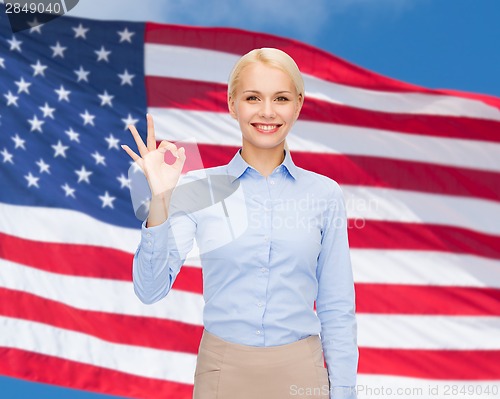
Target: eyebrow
<point x="258" y="92"/>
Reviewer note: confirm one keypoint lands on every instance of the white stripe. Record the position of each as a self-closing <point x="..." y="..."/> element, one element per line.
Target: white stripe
<point x="100" y="295"/>
<point x="372" y="203"/>
<point x="221" y="129"/>
<point x="428" y="332"/>
<point x="52" y="341"/>
<point x="58" y="225"/>
<point x="424" y="268"/>
<point x="373" y="386"/>
<point x="183" y="63"/>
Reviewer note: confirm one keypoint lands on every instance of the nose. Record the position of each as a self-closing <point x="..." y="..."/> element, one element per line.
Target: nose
<point x="267" y="110"/>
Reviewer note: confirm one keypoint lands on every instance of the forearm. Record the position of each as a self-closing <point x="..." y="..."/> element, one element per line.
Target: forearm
<point x="158" y="210"/>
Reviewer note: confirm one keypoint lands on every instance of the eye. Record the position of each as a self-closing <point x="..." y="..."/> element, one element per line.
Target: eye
<point x="252" y="98"/>
<point x="282" y="99"/>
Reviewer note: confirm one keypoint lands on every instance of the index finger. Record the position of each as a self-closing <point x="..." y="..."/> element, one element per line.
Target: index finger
<point x="151" y="139"/>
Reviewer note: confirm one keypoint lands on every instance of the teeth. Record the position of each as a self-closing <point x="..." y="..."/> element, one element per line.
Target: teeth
<point x="266" y="127"/>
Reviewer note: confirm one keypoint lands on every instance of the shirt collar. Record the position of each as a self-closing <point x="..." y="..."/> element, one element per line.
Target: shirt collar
<point x="237" y="166"/>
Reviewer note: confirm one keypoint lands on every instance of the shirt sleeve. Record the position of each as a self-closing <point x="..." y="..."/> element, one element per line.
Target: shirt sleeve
<point x="335" y="303"/>
<point x="162" y="252"/>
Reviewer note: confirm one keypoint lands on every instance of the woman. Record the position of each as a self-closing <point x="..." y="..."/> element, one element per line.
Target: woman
<point x="272" y="239"/>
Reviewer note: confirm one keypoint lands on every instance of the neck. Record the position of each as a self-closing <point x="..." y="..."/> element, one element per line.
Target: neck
<point x="263" y="160"/>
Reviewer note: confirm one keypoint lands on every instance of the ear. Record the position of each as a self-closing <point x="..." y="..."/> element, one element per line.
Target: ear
<point x="232" y="107"/>
<point x="300" y="102"/>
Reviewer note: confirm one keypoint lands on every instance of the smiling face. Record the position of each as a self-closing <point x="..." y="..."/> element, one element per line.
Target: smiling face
<point x="266" y="105"/>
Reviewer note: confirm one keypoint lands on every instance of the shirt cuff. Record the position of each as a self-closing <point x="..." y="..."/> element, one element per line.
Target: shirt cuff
<point x="153" y="238"/>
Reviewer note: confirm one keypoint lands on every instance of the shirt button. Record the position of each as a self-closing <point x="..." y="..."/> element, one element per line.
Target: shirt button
<point x="149" y="243"/>
<point x="271" y="181"/>
<point x="257" y="332"/>
<point x="260" y="304"/>
<point x="148" y="235"/>
<point x="263" y="270"/>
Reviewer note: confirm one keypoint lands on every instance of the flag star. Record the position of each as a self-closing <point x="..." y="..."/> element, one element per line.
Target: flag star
<point x="124" y="181"/>
<point x="80" y="31"/>
<point x="32" y="180"/>
<point x="129" y="121"/>
<point x="18" y="142"/>
<point x="39" y="69"/>
<point x="2" y="62"/>
<point x="126" y="78"/>
<point x="107" y="200"/>
<point x="126" y="35"/>
<point x="35" y="26"/>
<point x="7" y="156"/>
<point x="73" y="136"/>
<point x="60" y="149"/>
<point x="102" y="54"/>
<point x="63" y="94"/>
<point x="106" y="99"/>
<point x="99" y="159"/>
<point x="15" y="44"/>
<point x="82" y="74"/>
<point x="68" y="191"/>
<point x="58" y="50"/>
<point x="112" y="142"/>
<point x="88" y="119"/>
<point x="36" y="124"/>
<point x="44" y="167"/>
<point x="83" y="175"/>
<point x="47" y="111"/>
<point x="11" y="98"/>
<point x="22" y="86"/>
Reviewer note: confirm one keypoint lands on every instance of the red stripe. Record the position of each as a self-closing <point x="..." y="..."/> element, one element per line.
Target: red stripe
<point x="52" y="370"/>
<point x="378" y="172"/>
<point x="122" y="329"/>
<point x="427" y="300"/>
<point x="412" y="236"/>
<point x="310" y="60"/>
<point x="86" y="261"/>
<point x="434" y="364"/>
<point x="211" y="97"/>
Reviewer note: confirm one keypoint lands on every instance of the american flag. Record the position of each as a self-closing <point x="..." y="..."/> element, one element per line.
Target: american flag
<point x="420" y="170"/>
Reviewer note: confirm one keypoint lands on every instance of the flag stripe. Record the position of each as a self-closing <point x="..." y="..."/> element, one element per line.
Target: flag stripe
<point x="428" y="332"/>
<point x="427" y="300"/>
<point x="373" y="234"/>
<point x="307" y="136"/>
<point x="33" y="366"/>
<point x="100" y="295"/>
<point x="378" y="172"/>
<point x="83" y="348"/>
<point x="217" y="67"/>
<point x="122" y="329"/>
<point x="192" y="95"/>
<point x="419" y="267"/>
<point x="433" y="364"/>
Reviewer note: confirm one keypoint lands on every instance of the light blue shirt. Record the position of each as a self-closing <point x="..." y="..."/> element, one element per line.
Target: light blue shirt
<point x="269" y="247"/>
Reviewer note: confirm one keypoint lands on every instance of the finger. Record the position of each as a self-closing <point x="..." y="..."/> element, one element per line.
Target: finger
<point x="143" y="150"/>
<point x="151" y="139"/>
<point x="179" y="162"/>
<point x="168" y="146"/>
<point x="136" y="158"/>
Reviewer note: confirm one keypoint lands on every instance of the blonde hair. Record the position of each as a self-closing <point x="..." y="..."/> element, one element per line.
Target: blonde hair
<point x="271" y="57"/>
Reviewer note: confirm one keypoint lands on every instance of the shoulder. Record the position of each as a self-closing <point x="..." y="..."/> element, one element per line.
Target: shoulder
<point x="321" y="185"/>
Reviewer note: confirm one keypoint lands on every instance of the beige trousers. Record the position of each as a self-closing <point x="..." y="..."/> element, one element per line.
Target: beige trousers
<point x="225" y="370"/>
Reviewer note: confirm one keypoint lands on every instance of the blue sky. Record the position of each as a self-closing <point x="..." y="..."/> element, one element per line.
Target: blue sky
<point x="451" y="44"/>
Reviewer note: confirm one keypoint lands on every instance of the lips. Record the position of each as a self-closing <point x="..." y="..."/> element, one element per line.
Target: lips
<point x="266" y="128"/>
